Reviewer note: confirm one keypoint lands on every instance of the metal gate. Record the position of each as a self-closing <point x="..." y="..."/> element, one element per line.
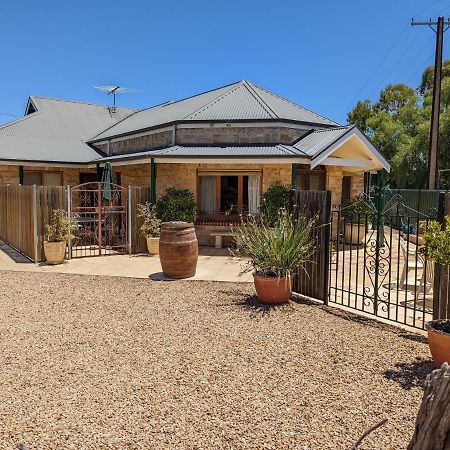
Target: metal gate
<point x="377" y="265"/>
<point x="100" y="212"/>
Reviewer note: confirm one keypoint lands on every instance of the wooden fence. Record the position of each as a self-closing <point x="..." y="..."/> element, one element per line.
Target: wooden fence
<point x="313" y="279"/>
<point x="26" y="210"/>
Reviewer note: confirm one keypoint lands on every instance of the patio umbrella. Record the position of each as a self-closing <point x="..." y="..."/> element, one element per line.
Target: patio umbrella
<point x="107" y="180"/>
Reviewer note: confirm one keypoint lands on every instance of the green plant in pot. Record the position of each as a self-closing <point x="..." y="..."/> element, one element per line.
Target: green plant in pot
<point x="58" y="233"/>
<point x="274" y="253"/>
<point x="150" y="227"/>
<point x="437" y="249"/>
<point x="356" y="214"/>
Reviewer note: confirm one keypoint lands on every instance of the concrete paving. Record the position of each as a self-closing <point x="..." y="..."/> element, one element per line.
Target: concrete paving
<point x="213" y="265"/>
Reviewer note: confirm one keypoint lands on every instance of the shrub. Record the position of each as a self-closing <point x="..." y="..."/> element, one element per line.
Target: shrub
<point x="151" y="224"/>
<point x="274" y="199"/>
<point x="176" y="205"/>
<point x="437" y="242"/>
<point x="357" y="210"/>
<point x="60" y="227"/>
<point x="277" y="251"/>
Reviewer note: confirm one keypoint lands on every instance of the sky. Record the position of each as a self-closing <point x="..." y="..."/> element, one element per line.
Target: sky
<point x="323" y="55"/>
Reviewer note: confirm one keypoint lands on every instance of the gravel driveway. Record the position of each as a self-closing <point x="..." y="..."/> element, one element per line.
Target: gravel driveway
<point x="116" y="363"/>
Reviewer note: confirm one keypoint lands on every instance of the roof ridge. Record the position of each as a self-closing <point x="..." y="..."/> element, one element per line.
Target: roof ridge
<point x="258" y="98"/>
<point x="80" y="102"/>
<point x="291" y="102"/>
<point x="232" y="86"/>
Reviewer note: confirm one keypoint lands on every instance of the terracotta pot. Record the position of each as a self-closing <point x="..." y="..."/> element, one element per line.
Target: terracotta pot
<point x="272" y="290"/>
<point x="354" y="233"/>
<point x="178" y="249"/>
<point x="439" y="343"/>
<point x="55" y="252"/>
<point x="153" y="245"/>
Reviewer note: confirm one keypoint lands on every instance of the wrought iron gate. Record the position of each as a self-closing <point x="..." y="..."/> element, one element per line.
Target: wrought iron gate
<point x="100" y="212"/>
<point x="377" y="264"/>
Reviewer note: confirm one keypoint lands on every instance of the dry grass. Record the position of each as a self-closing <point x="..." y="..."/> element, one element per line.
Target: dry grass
<point x="115" y="363"/>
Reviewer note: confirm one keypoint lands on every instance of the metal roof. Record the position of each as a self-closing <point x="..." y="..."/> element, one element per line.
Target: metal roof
<point x="57" y="131"/>
<point x="228" y="151"/>
<point x="239" y="101"/>
<point x="317" y="141"/>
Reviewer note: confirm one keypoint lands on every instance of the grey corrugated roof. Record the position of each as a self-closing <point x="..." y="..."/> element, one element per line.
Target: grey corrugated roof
<point x="239" y="101"/>
<point x="57" y="131"/>
<point x="319" y="140"/>
<point x="228" y="151"/>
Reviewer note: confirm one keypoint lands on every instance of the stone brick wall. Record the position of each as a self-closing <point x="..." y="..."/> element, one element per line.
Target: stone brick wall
<point x="334" y="184"/>
<point x="134" y="175"/>
<point x="357" y="185"/>
<point x="71" y="175"/>
<point x="205" y="136"/>
<point x="237" y="135"/>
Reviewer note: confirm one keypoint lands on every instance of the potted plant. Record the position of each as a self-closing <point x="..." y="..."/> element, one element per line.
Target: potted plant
<point x="150" y="227"/>
<point x="59" y="232"/>
<point x="355" y="215"/>
<point x="274" y="254"/>
<point x="437" y="249"/>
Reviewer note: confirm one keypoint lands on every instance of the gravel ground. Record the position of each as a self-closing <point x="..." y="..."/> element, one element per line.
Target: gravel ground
<point x="115" y="363"/>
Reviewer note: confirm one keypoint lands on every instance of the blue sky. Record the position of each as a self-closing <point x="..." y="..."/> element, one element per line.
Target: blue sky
<point x="323" y="55"/>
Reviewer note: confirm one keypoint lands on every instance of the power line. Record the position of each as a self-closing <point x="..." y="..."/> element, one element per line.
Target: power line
<point x="7" y="114"/>
<point x="383" y="59"/>
<point x="428" y="7"/>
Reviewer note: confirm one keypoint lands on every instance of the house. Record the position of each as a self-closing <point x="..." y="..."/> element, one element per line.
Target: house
<point x="226" y="146"/>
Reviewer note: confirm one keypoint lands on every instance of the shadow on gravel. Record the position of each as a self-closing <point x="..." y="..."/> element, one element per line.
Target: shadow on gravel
<point x="410" y="375"/>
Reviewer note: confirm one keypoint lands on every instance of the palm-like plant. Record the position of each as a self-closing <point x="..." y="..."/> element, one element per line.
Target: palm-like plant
<point x="277" y="251"/>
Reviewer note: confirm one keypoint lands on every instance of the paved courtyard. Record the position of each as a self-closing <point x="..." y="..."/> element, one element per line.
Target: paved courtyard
<point x="213" y="265"/>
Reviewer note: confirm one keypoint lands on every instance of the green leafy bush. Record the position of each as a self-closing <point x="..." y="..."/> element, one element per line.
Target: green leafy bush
<point x="437" y="242"/>
<point x="176" y="205"/>
<point x="61" y="227"/>
<point x="151" y="224"/>
<point x="357" y="210"/>
<point x="277" y="251"/>
<point x="274" y="199"/>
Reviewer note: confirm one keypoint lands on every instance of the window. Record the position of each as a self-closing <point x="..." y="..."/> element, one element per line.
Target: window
<point x="311" y="180"/>
<point x="42" y="178"/>
<point x="229" y="193"/>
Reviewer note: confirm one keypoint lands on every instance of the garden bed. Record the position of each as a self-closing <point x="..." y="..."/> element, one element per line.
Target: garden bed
<point x="117" y="363"/>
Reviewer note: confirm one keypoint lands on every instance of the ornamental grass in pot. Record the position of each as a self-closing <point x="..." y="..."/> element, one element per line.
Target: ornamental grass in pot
<point x="437" y="249"/>
<point x="274" y="253"/>
<point x="58" y="232"/>
<point x="151" y="226"/>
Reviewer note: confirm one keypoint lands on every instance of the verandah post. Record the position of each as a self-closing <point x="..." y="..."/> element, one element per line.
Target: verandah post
<point x="152" y="181"/>
<point x="129" y="220"/>
<point x="294" y="177"/>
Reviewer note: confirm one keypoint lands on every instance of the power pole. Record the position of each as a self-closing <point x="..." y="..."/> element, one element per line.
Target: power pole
<point x="433" y="150"/>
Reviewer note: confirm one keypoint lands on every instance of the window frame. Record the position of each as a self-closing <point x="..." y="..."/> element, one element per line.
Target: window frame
<point x="218" y="174"/>
<point x="42" y="172"/>
<point x="307" y="172"/>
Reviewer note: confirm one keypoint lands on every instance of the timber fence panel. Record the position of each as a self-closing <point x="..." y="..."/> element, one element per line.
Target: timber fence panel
<point x="312" y="280"/>
<point x="139" y="194"/>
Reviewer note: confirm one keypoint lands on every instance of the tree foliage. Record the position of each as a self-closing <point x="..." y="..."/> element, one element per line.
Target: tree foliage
<point x="398" y="124"/>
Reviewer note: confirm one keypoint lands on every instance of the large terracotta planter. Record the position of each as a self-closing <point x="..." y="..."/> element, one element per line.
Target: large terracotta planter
<point x="54" y="252"/>
<point x="178" y="249"/>
<point x="439" y="343"/>
<point x="272" y="290"/>
<point x="354" y="233"/>
<point x="153" y="245"/>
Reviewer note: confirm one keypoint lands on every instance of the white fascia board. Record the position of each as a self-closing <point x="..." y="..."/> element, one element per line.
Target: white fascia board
<point x="7" y="162"/>
<point x="231" y="160"/>
<point x="355" y="132"/>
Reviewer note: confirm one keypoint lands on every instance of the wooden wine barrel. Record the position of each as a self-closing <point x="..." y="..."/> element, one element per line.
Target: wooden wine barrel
<point x="178" y="249"/>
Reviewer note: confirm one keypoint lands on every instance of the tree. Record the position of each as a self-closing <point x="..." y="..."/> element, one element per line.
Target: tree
<point x="398" y="124"/>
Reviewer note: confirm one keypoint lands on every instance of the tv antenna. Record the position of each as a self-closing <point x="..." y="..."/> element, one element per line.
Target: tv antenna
<point x="113" y="90"/>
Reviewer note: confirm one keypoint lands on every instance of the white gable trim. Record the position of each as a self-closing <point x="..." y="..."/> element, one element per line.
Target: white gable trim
<point x="355" y="132"/>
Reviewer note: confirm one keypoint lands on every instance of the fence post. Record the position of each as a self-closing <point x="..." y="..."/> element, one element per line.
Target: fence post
<point x="129" y="220"/>
<point x="327" y="250"/>
<point x="69" y="215"/>
<point x="35" y="225"/>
